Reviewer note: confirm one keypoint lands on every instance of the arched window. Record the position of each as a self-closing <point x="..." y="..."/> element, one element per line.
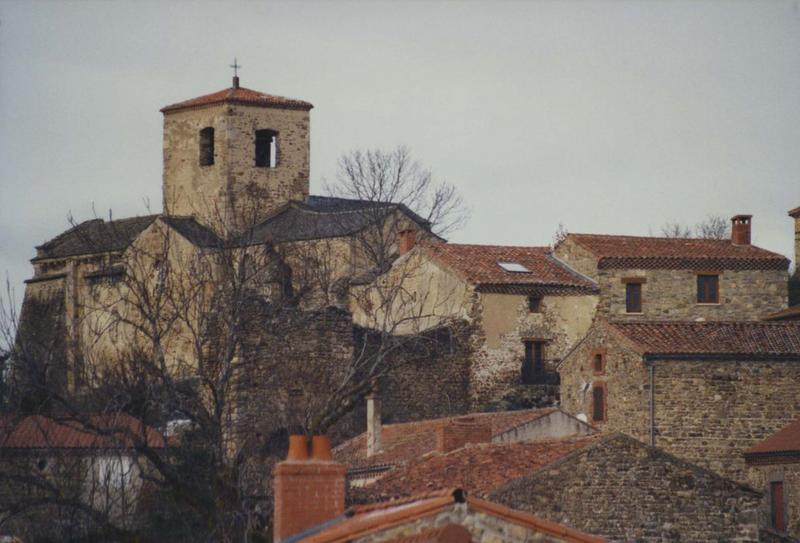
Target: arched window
<point x="207" y="146"/>
<point x="266" y="148"/>
<point x="598" y="402"/>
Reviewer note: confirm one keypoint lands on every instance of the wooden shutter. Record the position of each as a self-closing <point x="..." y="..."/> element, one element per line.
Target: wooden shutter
<point x="777" y="506"/>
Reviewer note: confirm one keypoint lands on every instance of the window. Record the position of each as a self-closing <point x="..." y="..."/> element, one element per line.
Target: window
<point x="776" y="506"/>
<point x="533" y="363"/>
<point x="599" y="362"/>
<point x="633" y="297"/>
<point x="534" y="304"/>
<point x="513" y="267"/>
<point x="598" y="402"/>
<point x="708" y="289"/>
<point x="266" y="148"/>
<point x="207" y="146"/>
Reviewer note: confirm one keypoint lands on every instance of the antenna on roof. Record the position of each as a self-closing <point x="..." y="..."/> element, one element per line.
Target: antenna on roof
<point x="235" y="67"/>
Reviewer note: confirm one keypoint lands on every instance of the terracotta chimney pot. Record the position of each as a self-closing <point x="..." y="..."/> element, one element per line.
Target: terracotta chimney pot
<point x="298" y="448"/>
<point x="321" y="449"/>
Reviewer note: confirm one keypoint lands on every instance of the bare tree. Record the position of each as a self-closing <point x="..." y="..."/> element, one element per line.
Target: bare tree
<point x="675" y="229"/>
<point x="559" y="235"/>
<point x="713" y="227"/>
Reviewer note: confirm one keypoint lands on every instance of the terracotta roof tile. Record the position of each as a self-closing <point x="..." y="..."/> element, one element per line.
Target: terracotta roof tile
<point x="478" y="469"/>
<point x="786" y="440"/>
<point x="242" y="96"/>
<point x="789" y="313"/>
<point x="40" y="432"/>
<point x="653" y="252"/>
<point x="763" y="339"/>
<point x="479" y="264"/>
<point x="408" y="440"/>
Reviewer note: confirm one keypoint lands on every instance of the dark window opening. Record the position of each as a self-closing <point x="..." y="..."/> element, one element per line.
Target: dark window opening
<point x="207" y="146"/>
<point x="777" y="506"/>
<point x="598" y="363"/>
<point x="708" y="289"/>
<point x="598" y="403"/>
<point x="533" y="363"/>
<point x="534" y="304"/>
<point x="633" y="297"/>
<point x="266" y="148"/>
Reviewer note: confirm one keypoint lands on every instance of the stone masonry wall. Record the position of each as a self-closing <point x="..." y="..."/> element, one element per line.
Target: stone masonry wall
<point x="219" y="191"/>
<point x="626" y="491"/>
<point x="760" y="475"/>
<point x="672" y="294"/>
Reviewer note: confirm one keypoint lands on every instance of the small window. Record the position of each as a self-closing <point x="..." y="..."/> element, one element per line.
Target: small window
<point x="708" y="289"/>
<point x="207" y="146"/>
<point x="266" y="148"/>
<point x="776" y="505"/>
<point x="513" y="267"/>
<point x="598" y="363"/>
<point x="633" y="297"/>
<point x="534" y="304"/>
<point x="598" y="402"/>
<point x="533" y="363"/>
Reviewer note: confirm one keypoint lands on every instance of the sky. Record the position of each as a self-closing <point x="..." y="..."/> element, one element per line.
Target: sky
<point x="606" y="117"/>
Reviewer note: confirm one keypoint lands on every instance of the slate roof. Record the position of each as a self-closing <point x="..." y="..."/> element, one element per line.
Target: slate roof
<point x="241" y="96"/>
<point x="196" y="233"/>
<point x="479" y="468"/>
<point x="784" y="442"/>
<point x="40" y="432"/>
<point x="408" y="440"/>
<point x="479" y="265"/>
<point x="676" y="253"/>
<point x="322" y="217"/>
<point x="751" y="338"/>
<point x="94" y="236"/>
<point x="360" y="521"/>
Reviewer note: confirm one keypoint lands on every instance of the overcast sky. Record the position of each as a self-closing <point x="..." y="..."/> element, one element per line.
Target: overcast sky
<point x="607" y="117"/>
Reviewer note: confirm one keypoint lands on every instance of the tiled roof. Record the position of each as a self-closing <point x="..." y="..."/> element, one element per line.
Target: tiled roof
<point x="361" y="521"/>
<point x="670" y="253"/>
<point x="790" y="313"/>
<point x="479" y="469"/>
<point x="751" y="338"/>
<point x="242" y="96"/>
<point x="408" y="440"/>
<point x="479" y="264"/>
<point x="198" y="234"/>
<point x="101" y="432"/>
<point x="95" y="236"/>
<point x="785" y="441"/>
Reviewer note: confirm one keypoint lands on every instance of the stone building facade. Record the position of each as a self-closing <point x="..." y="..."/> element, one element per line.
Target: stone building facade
<point x="703" y="391"/>
<point x="623" y="490"/>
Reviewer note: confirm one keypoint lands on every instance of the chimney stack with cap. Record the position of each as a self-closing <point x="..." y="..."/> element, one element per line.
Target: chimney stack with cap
<point x="374" y="428"/>
<point x="456" y="433"/>
<point x="408" y="238"/>
<point x="740" y="229"/>
<point x="309" y="488"/>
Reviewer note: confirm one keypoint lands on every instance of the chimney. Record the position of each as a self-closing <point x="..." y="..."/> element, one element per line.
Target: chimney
<point x="374" y="422"/>
<point x="795" y="214"/>
<point x="308" y="490"/>
<point x="456" y="433"/>
<point x="740" y="229"/>
<point x="408" y="238"/>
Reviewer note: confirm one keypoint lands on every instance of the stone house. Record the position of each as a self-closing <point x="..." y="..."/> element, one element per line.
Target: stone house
<point x="623" y="490"/>
<point x="525" y="308"/>
<point x="646" y="278"/>
<point x="310" y="506"/>
<point x="703" y="391"/>
<point x="773" y="466"/>
<point x="793" y="311"/>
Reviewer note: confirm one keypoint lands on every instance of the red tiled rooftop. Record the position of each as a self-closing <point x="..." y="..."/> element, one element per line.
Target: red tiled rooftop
<point x="100" y="432"/>
<point x="405" y="441"/>
<point x="718" y="338"/>
<point x="478" y="264"/>
<point x="242" y="96"/>
<point x="633" y="251"/>
<point x="478" y="469"/>
<point x="786" y="440"/>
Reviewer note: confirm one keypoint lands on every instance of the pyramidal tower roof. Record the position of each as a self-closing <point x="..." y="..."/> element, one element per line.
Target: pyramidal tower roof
<point x="239" y="95"/>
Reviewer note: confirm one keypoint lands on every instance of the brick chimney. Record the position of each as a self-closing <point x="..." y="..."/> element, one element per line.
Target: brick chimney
<point x="374" y="428"/>
<point x="309" y="489"/>
<point x="408" y="238"/>
<point x="456" y="433"/>
<point x="740" y="229"/>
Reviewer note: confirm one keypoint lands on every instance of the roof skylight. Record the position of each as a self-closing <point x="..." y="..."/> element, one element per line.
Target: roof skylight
<point x="513" y="267"/>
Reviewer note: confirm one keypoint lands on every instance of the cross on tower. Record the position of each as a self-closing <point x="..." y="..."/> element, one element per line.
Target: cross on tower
<point x="235" y="67"/>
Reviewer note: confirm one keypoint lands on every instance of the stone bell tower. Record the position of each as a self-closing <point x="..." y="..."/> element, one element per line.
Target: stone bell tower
<point x="232" y="157"/>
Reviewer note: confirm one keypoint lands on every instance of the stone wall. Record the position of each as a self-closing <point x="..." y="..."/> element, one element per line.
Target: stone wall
<point x="219" y="191"/>
<point x="761" y="474"/>
<point x="625" y="491"/>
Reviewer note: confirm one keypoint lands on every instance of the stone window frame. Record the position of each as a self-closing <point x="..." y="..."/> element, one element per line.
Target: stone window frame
<point x="603" y="385"/>
<point x="697" y="275"/>
<point x="634" y="280"/>
<point x="777" y="477"/>
<point x="602" y="352"/>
